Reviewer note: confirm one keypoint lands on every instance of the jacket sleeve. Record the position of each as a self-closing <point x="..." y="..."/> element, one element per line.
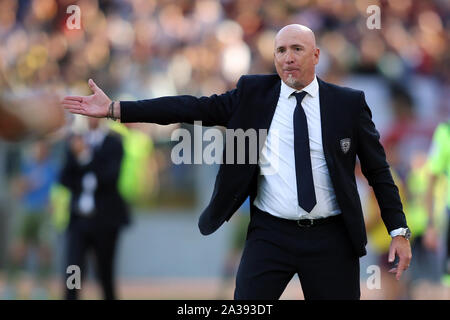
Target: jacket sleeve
<point x="213" y="110"/>
<point x="376" y="170"/>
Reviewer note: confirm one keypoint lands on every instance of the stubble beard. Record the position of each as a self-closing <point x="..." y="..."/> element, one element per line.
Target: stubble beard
<point x="292" y="82"/>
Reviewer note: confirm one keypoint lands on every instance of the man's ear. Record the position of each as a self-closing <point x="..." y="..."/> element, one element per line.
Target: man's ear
<point x="316" y="55"/>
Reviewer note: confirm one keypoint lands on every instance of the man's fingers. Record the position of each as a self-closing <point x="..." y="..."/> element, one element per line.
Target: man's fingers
<point x="391" y="254"/>
<point x="399" y="273"/>
<point x="73" y="98"/>
<point x="403" y="264"/>
<point x="71" y="103"/>
<point x="79" y="111"/>
<point x="74" y="109"/>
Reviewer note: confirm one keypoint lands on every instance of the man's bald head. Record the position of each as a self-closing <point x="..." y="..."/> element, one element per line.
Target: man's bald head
<point x="297" y="30"/>
<point x="296" y="55"/>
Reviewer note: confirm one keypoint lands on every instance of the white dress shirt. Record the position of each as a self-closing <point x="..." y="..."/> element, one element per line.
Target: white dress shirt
<point x="277" y="185"/>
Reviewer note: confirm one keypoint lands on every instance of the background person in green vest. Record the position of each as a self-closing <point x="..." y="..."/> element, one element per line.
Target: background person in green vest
<point x="439" y="161"/>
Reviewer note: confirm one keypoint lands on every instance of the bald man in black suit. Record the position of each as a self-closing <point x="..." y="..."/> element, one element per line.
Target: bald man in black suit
<point x="306" y="217"/>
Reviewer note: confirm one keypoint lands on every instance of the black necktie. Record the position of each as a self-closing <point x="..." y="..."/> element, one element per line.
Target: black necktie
<point x="305" y="184"/>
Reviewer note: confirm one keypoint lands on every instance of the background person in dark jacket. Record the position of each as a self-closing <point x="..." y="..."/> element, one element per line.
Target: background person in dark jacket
<point x="97" y="210"/>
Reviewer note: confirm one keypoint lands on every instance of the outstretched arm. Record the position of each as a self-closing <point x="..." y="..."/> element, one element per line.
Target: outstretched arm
<point x="213" y="110"/>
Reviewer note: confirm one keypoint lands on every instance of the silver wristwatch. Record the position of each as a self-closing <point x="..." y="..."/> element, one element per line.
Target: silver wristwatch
<point x="405" y="232"/>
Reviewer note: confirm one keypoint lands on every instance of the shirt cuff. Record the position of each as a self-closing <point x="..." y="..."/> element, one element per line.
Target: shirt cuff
<point x="396" y="232"/>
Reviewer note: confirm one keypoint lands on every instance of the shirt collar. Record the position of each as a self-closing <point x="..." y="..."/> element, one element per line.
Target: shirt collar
<point x="312" y="89"/>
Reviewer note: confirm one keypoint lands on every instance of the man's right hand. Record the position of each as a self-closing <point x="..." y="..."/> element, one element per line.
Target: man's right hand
<point x="95" y="105"/>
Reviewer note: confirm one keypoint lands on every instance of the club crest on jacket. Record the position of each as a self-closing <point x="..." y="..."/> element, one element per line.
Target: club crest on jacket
<point x="345" y="145"/>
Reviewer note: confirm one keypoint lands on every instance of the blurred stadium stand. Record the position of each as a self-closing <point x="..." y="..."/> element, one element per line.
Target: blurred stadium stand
<point x="137" y="49"/>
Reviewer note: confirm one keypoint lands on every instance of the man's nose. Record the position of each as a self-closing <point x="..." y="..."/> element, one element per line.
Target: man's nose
<point x="289" y="59"/>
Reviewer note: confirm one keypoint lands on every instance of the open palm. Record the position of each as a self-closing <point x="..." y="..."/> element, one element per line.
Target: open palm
<point x="95" y="105"/>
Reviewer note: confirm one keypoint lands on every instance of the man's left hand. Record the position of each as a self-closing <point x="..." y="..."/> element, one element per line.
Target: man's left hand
<point x="400" y="247"/>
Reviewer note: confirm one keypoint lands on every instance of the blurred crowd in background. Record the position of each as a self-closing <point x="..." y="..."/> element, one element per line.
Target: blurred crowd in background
<point x="137" y="49"/>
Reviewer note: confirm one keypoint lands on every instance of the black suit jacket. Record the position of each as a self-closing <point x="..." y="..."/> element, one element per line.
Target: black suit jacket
<point x="344" y="114"/>
<point x="111" y="211"/>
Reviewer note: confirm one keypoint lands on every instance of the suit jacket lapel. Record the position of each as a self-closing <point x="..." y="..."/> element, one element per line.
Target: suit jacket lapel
<point x="269" y="103"/>
<point x="265" y="113"/>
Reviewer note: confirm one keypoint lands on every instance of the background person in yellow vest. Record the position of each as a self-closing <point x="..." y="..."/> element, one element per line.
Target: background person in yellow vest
<point x="426" y="270"/>
<point x="138" y="180"/>
<point x="439" y="162"/>
<point x="60" y="206"/>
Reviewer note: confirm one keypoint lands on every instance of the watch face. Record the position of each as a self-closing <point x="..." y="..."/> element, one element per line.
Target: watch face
<point x="408" y="233"/>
